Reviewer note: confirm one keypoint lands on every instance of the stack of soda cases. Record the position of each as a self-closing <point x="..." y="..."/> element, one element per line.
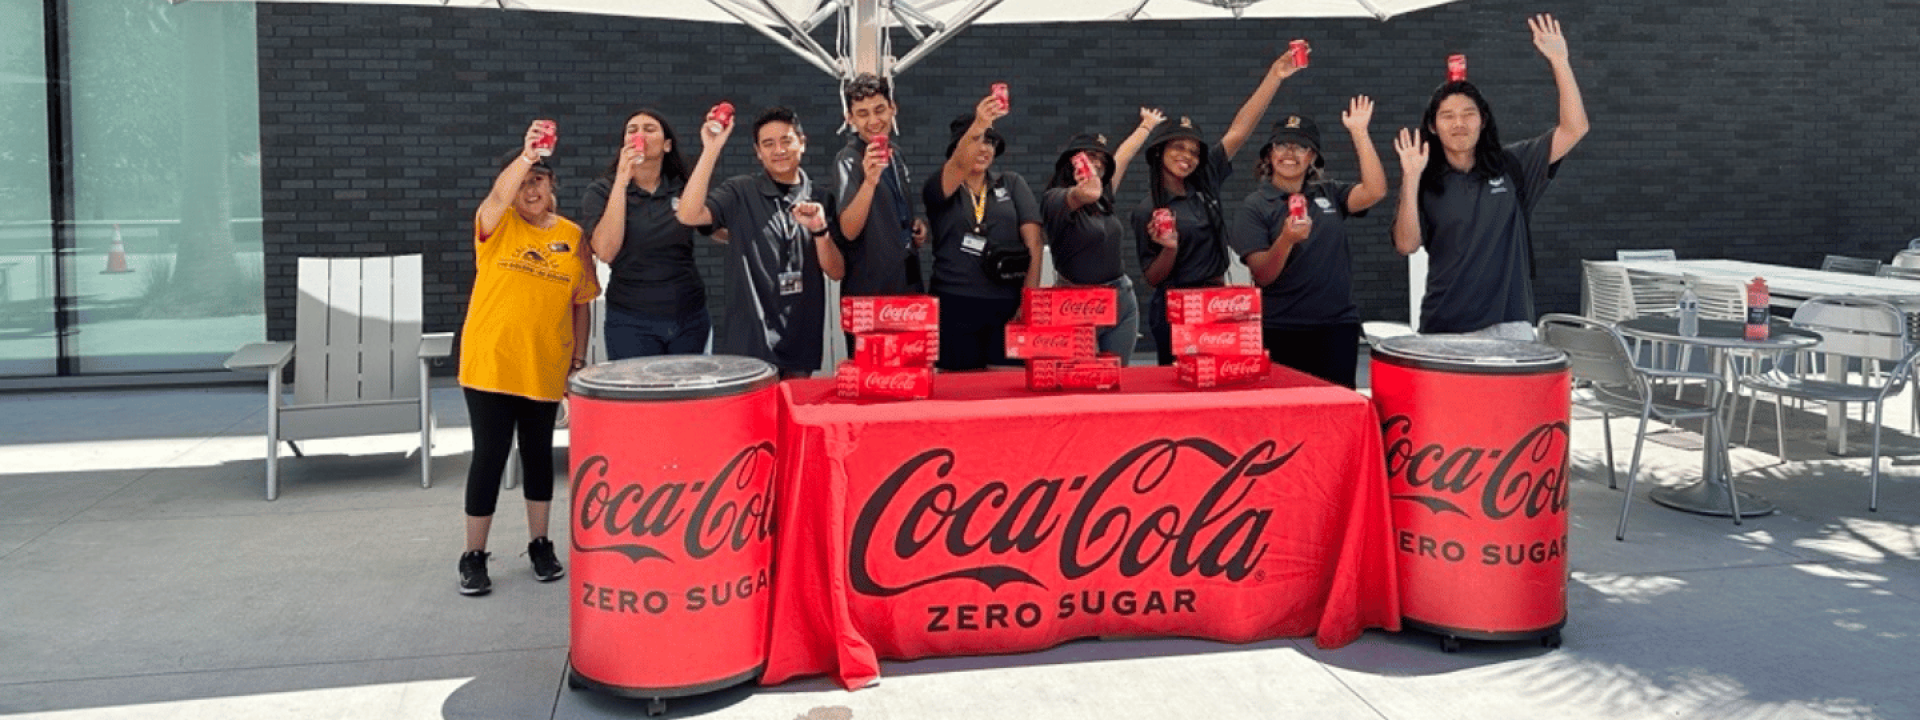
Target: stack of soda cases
<point x="1216" y="336"/>
<point x="1059" y="339"/>
<point x="896" y="338"/>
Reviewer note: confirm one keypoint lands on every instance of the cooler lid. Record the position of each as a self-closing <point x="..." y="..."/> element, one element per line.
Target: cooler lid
<point x="673" y="377"/>
<point x="1470" y="354"/>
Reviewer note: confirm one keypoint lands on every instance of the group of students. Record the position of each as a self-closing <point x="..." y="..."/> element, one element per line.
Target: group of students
<point x="786" y="236"/>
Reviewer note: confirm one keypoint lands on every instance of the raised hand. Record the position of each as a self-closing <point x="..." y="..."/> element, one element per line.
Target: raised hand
<point x="1293" y="231"/>
<point x="535" y="131"/>
<point x="1547" y="38"/>
<point x="810" y="216"/>
<point x="1284" y="66"/>
<point x="877" y="159"/>
<point x="1413" y="153"/>
<point x="715" y="133"/>
<point x="988" y="110"/>
<point x="1358" y="114"/>
<point x="1151" y="118"/>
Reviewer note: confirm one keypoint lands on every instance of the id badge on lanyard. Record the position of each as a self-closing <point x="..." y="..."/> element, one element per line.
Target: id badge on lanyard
<point x="974" y="242"/>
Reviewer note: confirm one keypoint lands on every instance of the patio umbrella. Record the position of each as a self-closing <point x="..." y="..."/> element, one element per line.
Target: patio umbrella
<point x="862" y="41"/>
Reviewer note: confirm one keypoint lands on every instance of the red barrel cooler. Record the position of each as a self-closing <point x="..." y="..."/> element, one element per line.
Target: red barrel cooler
<point x="1476" y="438"/>
<point x="672" y="535"/>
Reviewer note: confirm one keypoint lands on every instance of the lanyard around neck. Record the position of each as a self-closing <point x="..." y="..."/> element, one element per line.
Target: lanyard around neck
<point x="979" y="203"/>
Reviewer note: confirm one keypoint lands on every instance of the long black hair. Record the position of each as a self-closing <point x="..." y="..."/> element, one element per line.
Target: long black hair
<point x="1489" y="158"/>
<point x="672" y="165"/>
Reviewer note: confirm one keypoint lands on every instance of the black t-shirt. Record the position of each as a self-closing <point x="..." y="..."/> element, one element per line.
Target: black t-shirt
<point x="1476" y="235"/>
<point x="1201" y="257"/>
<point x="957" y="269"/>
<point x="877" y="259"/>
<point x="1086" y="243"/>
<point x="761" y="321"/>
<point x="654" y="272"/>
<point x="1316" y="286"/>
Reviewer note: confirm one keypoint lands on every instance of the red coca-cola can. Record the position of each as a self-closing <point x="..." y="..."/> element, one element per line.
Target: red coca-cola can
<point x="1082" y="166"/>
<point x="549" y="136"/>
<point x="907" y="348"/>
<point x="672" y="539"/>
<point x="639" y="144"/>
<point x="1456" y="68"/>
<point x="870" y="313"/>
<point x="882" y="145"/>
<point x="1199" y="306"/>
<point x="722" y="114"/>
<point x="1057" y="341"/>
<point x="1297" y="206"/>
<point x="1097" y="306"/>
<point x="1210" y="371"/>
<point x="854" y="381"/>
<point x="1000" y="94"/>
<point x="1476" y="440"/>
<point x="1162" y="221"/>
<point x="1300" y="52"/>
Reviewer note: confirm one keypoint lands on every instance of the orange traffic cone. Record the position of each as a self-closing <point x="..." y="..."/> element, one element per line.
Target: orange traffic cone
<point x="117" y="257"/>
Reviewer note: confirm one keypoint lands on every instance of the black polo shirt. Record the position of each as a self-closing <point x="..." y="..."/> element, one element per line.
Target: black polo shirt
<point x="877" y="259"/>
<point x="956" y="271"/>
<point x="1476" y="235"/>
<point x="653" y="273"/>
<point x="765" y="242"/>
<point x="1315" y="289"/>
<point x="1202" y="256"/>
<point x="1086" y="243"/>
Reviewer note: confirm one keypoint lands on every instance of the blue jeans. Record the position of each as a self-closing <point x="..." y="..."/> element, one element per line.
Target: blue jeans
<point x="631" y="334"/>
<point x="1120" y="338"/>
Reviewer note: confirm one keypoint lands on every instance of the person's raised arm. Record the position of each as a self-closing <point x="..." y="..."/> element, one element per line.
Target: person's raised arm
<point x="507" y="183"/>
<point x="1406" y="218"/>
<point x="611" y="232"/>
<point x="1573" y="110"/>
<point x="1248" y="119"/>
<point x="1150" y="118"/>
<point x="853" y="217"/>
<point x="812" y="217"/>
<point x="955" y="171"/>
<point x="693" y="198"/>
<point x="1373" y="176"/>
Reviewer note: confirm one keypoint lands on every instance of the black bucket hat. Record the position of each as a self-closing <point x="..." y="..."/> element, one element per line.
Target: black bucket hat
<point x="959" y="127"/>
<point x="1299" y="130"/>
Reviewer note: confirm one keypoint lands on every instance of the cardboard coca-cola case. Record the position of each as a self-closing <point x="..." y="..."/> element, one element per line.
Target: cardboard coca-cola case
<point x="854" y="382"/>
<point x="1239" y="338"/>
<point x="1102" y="372"/>
<point x="1207" y="371"/>
<point x="891" y="349"/>
<point x="897" y="313"/>
<point x="1097" y="306"/>
<point x="1054" y="341"/>
<point x="1234" y="303"/>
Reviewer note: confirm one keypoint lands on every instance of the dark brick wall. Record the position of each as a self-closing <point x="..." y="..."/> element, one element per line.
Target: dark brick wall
<point x="1775" y="130"/>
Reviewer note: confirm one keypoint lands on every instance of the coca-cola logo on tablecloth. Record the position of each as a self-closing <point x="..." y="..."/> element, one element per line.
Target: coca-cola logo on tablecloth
<point x="1527" y="478"/>
<point x="634" y="516"/>
<point x="929" y="523"/>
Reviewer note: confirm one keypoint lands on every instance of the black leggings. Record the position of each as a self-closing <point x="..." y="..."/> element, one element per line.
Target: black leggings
<point x="496" y="419"/>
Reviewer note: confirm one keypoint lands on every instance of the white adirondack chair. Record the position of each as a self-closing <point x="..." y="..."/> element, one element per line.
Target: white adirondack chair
<point x="359" y="358"/>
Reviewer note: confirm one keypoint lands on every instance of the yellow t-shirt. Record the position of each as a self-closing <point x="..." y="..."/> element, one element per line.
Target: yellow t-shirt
<point x="518" y="338"/>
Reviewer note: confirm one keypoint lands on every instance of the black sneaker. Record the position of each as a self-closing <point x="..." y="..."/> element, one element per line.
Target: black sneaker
<point x="473" y="573"/>
<point x="546" y="567"/>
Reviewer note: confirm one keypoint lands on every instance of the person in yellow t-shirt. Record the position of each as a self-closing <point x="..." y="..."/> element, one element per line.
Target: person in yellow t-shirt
<point x="525" y="335"/>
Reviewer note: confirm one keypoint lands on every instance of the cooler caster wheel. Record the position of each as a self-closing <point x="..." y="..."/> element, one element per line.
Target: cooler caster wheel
<point x="656" y="707"/>
<point x="1551" y="640"/>
<point x="1449" y="644"/>
<point x="573" y="680"/>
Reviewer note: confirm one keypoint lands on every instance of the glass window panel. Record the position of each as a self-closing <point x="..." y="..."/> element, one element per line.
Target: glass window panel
<point x="167" y="264"/>
<point x="27" y="342"/>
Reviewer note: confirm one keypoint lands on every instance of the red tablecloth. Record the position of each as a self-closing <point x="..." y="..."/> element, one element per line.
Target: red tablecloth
<point x="989" y="519"/>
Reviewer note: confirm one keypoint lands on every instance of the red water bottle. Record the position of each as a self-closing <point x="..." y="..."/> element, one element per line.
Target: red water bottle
<point x="1300" y="51"/>
<point x="1456" y="68"/>
<point x="1758" y="313"/>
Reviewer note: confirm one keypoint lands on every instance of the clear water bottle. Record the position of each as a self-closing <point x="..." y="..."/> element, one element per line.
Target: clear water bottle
<point x="1689" y="313"/>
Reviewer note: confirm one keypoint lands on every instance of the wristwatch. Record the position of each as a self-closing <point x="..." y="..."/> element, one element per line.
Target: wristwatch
<point x="579" y="363"/>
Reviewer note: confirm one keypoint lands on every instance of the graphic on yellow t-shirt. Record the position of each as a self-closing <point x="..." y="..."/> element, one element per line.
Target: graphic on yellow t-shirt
<point x="545" y="263"/>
